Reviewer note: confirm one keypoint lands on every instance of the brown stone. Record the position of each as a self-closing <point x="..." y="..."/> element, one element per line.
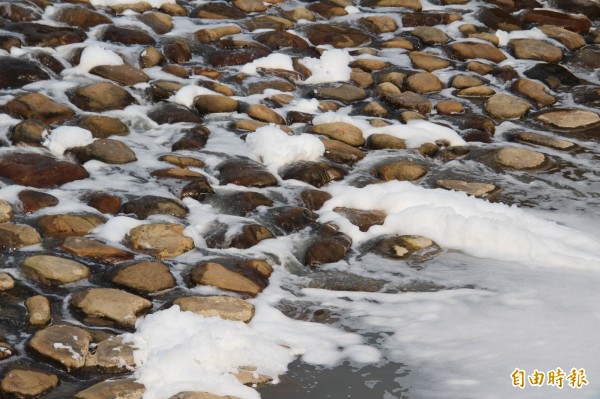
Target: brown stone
<point x="13" y="236"/>
<point x="159" y="22"/>
<point x="467" y="50"/>
<point x="575" y="23"/>
<point x="27" y="383"/>
<point x="428" y="62"/>
<point x="30" y="132"/>
<point x="103" y="126"/>
<point x="364" y="219"/>
<point x="504" y="106"/>
<point x="532" y="49"/>
<point x="108" y="303"/>
<point x="497" y="18"/>
<point x="123" y="74"/>
<point x="379" y="141"/>
<point x="264" y="114"/>
<point x="145" y="276"/>
<point x="479" y="190"/>
<point x="250" y="5"/>
<point x="113" y="389"/>
<point x="38" y="310"/>
<point x="569" y="118"/>
<point x="268" y="22"/>
<point x="39" y="106"/>
<point x="336" y="36"/>
<point x="465" y="81"/>
<point x="430" y="35"/>
<point x="424" y="82"/>
<point x="53" y="270"/>
<point x="317" y="174"/>
<point x="65" y="344"/>
<point x="225" y="307"/>
<point x="89" y="248"/>
<point x="69" y="225"/>
<point x="40" y="35"/>
<point x="151" y="57"/>
<point x="403" y="247"/>
<point x="147" y="205"/>
<point x="379" y="24"/>
<point x="544" y="141"/>
<point x="410" y="4"/>
<point x="340" y="152"/>
<point x="341" y="131"/>
<point x="217" y="11"/>
<point x="449" y="107"/>
<point x="245" y="172"/>
<point x="177" y="52"/>
<point x="398" y="42"/>
<point x="400" y="170"/>
<point x="127" y="36"/>
<point x="81" y="17"/>
<point x="409" y="100"/>
<point x="6" y="283"/>
<point x="534" y="91"/>
<point x="211" y="103"/>
<point x="102" y="96"/>
<point x="103" y="202"/>
<point x="17" y="72"/>
<point x="429" y="18"/>
<point x="343" y="92"/>
<point x="19" y="12"/>
<point x="520" y="158"/>
<point x="476" y="92"/>
<point x="163" y="240"/>
<point x="109" y="151"/>
<point x="314" y="199"/>
<point x="230" y="279"/>
<point x="570" y="40"/>
<point x="111" y="356"/>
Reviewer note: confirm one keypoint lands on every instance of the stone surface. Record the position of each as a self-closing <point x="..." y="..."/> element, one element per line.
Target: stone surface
<point x="504" y="106"/>
<point x="127" y="36"/>
<point x="212" y="103"/>
<point x="408" y="246"/>
<point x="145" y="276"/>
<point x="53" y="270"/>
<point x="468" y="50"/>
<point x="6" y="282"/>
<point x="39" y="106"/>
<point x="108" y="303"/>
<point x="364" y="219"/>
<point x="341" y="131"/>
<point x="65" y="344"/>
<point x="113" y="389"/>
<point x="379" y="141"/>
<point x="109" y="151"/>
<point x="533" y="49"/>
<point x="13" y="236"/>
<point x="534" y="91"/>
<point x="69" y="224"/>
<point x="17" y="72"/>
<point x="38" y="170"/>
<point x="427" y="61"/>
<point x="264" y="114"/>
<point x="339" y="152"/>
<point x="38" y="310"/>
<point x="480" y="190"/>
<point x="81" y="17"/>
<point x="103" y="126"/>
<point x="101" y="96"/>
<point x="544" y="141"/>
<point x="148" y="205"/>
<point x="225" y="307"/>
<point x="570" y="40"/>
<point x="123" y="74"/>
<point x="245" y="172"/>
<point x="343" y="92"/>
<point x="27" y="383"/>
<point x="569" y="118"/>
<point x="520" y="158"/>
<point x="424" y="82"/>
<point x="6" y="212"/>
<point x="235" y="279"/>
<point x="41" y="35"/>
<point x="317" y="174"/>
<point x="92" y="249"/>
<point x="163" y="240"/>
<point x="400" y="170"/>
<point x="409" y="100"/>
<point x="112" y="355"/>
<point x="32" y="200"/>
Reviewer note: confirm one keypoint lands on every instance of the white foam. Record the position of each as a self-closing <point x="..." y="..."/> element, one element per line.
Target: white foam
<point x="116" y="228"/>
<point x="64" y="137"/>
<point x="275" y="148"/>
<point x="93" y="56"/>
<point x="272" y="61"/>
<point x="331" y="67"/>
<point x="187" y="94"/>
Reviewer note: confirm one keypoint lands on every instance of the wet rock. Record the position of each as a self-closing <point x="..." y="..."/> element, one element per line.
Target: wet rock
<point x="408" y="246"/>
<point x="496" y="18"/>
<point x="479" y="190"/>
<point x="127" y="36"/>
<point x="249" y="236"/>
<point x="317" y="174"/>
<point x="476" y="92"/>
<point x="109" y="151"/>
<point x="6" y="350"/>
<point x="17" y="73"/>
<point x="364" y="219"/>
<point x="148" y="205"/>
<point x="53" y="270"/>
<point x="159" y="22"/>
<point x="374" y="108"/>
<point x="47" y="36"/>
<point x="13" y="236"/>
<point x="268" y="22"/>
<point x="479" y="67"/>
<point x="177" y="173"/>
<point x="340" y="131"/>
<point x="145" y="276"/>
<point x="250" y="5"/>
<point x="92" y="249"/>
<point x="151" y="57"/>
<point x="449" y="107"/>
<point x="182" y="162"/>
<point x="113" y="389"/>
<point x="101" y="96"/>
<point x="468" y="50"/>
<point x="193" y="139"/>
<point x="225" y="307"/>
<point x="339" y="152"/>
<point x="327" y="10"/>
<point x="424" y="82"/>
<point x="6" y="212"/>
<point x="81" y="17"/>
<point x="173" y="113"/>
<point x="575" y="23"/>
<point x="330" y="246"/>
<point x="177" y="52"/>
<point x="160" y="90"/>
<point x="245" y="172"/>
<point x="124" y="74"/>
<point x="297" y="14"/>
<point x="430" y="35"/>
<point x="429" y="18"/>
<point x="569" y="118"/>
<point x="343" y="281"/>
<point x="210" y="35"/>
<point x="504" y="106"/>
<point x="105" y="203"/>
<point x="39" y="106"/>
<point x="264" y="114"/>
<point x="552" y="75"/>
<point x="314" y="199"/>
<point x="569" y="39"/>
<point x="336" y="35"/>
<point x="533" y="91"/>
<point x="27" y="383"/>
<point x="409" y="100"/>
<point x="544" y="141"/>
<point x="520" y="158"/>
<point x="233" y="278"/>
<point x="108" y="303"/>
<point x="427" y="61"/>
<point x="589" y="8"/>
<point x="38" y="310"/>
<point x="65" y="344"/>
<point x="587" y="58"/>
<point x="381" y="141"/>
<point x="19" y="12"/>
<point x="103" y="126"/>
<point x="163" y="240"/>
<point x="69" y="224"/>
<point x="111" y="356"/>
<point x="532" y="49"/>
<point x="211" y="103"/>
<point x="379" y="24"/>
<point x="410" y="4"/>
<point x="343" y="92"/>
<point x="197" y="189"/>
<point x="217" y="11"/>
<point x="29" y="132"/>
<point x="290" y="218"/>
<point x="242" y="203"/>
<point x="6" y="283"/>
<point x="400" y="170"/>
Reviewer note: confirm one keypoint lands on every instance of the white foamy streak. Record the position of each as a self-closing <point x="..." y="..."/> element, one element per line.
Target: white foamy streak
<point x="93" y="56"/>
<point x="473" y="226"/>
<point x="331" y="67"/>
<point x="272" y="61"/>
<point x="275" y="148"/>
<point x="64" y="137"/>
<point x="187" y="94"/>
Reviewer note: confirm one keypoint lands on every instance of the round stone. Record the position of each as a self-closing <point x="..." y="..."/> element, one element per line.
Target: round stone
<point x="520" y="158"/>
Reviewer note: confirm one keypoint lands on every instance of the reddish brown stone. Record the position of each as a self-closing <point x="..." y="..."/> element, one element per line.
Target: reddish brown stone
<point x="39" y="170"/>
